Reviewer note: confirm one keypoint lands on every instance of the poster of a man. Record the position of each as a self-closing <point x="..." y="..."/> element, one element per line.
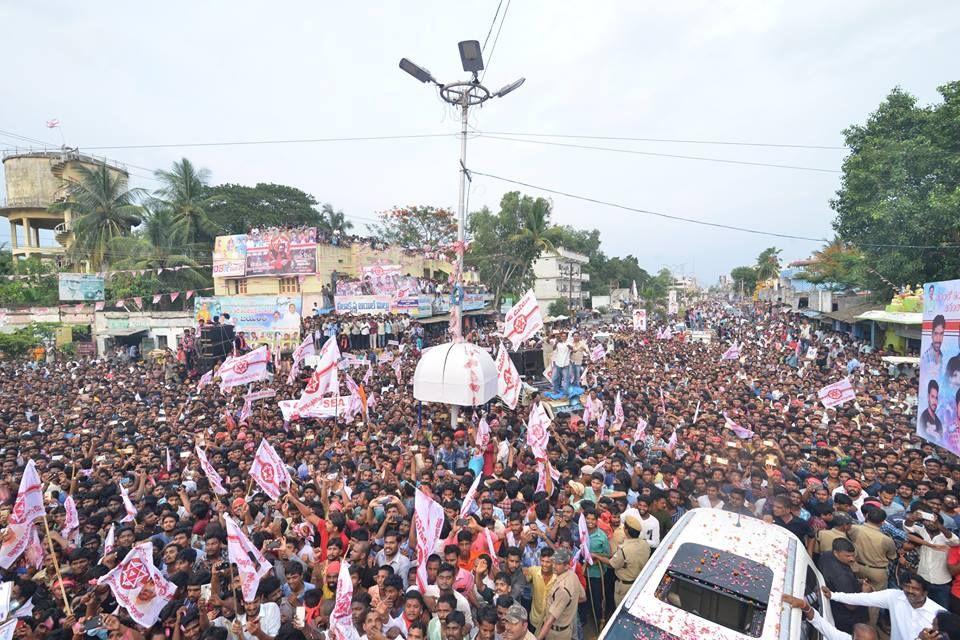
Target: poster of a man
<point x="938" y="420"/>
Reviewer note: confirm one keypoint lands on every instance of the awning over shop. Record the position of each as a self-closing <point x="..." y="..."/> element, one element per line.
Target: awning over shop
<point x="853" y="313"/>
<point x="901" y="359"/>
<point x="893" y="317"/>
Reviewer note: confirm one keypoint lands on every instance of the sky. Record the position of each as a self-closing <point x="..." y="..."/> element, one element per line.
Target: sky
<point x="124" y="74"/>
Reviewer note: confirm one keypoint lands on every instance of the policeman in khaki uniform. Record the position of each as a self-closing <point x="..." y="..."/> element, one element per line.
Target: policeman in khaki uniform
<point x="629" y="559"/>
<point x="563" y="596"/>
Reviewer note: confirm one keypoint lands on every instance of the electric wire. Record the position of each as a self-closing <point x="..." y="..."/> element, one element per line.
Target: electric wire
<point x="496" y="39"/>
<point x="664" y="155"/>
<point x="490" y="30"/>
<point x="706" y="223"/>
<point x="734" y="143"/>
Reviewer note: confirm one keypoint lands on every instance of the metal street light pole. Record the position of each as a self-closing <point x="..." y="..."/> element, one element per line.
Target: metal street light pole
<point x="464" y="94"/>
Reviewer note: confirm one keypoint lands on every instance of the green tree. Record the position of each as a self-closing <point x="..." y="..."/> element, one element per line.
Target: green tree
<point x="103" y="208"/>
<point x="535" y="234"/>
<point x="744" y="279"/>
<point x="334" y="221"/>
<point x="768" y="263"/>
<point x="901" y="186"/>
<point x="40" y="289"/>
<point x="236" y="208"/>
<point x="415" y="227"/>
<point x="559" y="307"/>
<point x="184" y="192"/>
<point x="837" y="266"/>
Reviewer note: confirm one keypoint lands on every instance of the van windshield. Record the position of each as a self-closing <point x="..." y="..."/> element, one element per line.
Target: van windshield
<point x="719" y="586"/>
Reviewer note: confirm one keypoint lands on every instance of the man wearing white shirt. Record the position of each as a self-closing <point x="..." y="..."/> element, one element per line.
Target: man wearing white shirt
<point x="651" y="526"/>
<point x="827" y="630"/>
<point x="561" y="364"/>
<point x="934" y="539"/>
<point x="911" y="611"/>
<point x="257" y="620"/>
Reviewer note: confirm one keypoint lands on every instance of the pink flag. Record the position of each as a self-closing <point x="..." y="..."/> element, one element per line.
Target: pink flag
<point x="732" y="352"/>
<point x="587" y="412"/>
<point x="618" y="417"/>
<point x="538" y="434"/>
<point x="598" y="353"/>
<point x="216" y="482"/>
<point x="27" y="508"/>
<point x="127" y="505"/>
<point x="541" y="478"/>
<point x="269" y="471"/>
<point x="245" y="412"/>
<point x="672" y="442"/>
<point x="490" y="548"/>
<point x="120" y="303"/>
<point x="837" y="393"/>
<point x="398" y="370"/>
<point x="483" y="434"/>
<point x="355" y="402"/>
<point x="250" y="367"/>
<point x="454" y="325"/>
<point x="189" y="294"/>
<point x="137" y="300"/>
<point x="169" y="462"/>
<point x="53" y="123"/>
<point x="508" y="379"/>
<point x="251" y="565"/>
<point x="641" y="430"/>
<point x="523" y="320"/>
<point x="367" y="375"/>
<point x="98" y="306"/>
<point x="742" y="432"/>
<point x="138" y="586"/>
<point x="602" y="426"/>
<point x="583" y="377"/>
<point x="584" y="540"/>
<point x="34" y="551"/>
<point x="157" y="297"/>
<point x="174" y="295"/>
<point x="468" y="500"/>
<point x="427" y="523"/>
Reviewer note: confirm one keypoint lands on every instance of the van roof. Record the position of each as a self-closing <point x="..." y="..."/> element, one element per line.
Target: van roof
<point x="750" y="538"/>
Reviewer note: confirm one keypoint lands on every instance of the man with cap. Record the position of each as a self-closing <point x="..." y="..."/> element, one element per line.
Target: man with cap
<point x="515" y="624"/>
<point x="875" y="549"/>
<point x="564" y="596"/>
<point x="629" y="559"/>
<point x="840" y="528"/>
<point x="854" y="490"/>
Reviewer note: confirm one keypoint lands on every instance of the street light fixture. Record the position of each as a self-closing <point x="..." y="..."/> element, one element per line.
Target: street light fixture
<point x="463" y="94"/>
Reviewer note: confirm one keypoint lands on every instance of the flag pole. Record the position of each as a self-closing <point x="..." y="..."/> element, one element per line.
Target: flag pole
<point x="56" y="565"/>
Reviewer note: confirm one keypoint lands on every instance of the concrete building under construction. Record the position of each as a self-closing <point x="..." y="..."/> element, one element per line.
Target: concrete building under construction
<point x="34" y="180"/>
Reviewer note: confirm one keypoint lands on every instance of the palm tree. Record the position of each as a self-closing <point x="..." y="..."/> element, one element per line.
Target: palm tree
<point x="333" y="221"/>
<point x="536" y="233"/>
<point x="157" y="245"/>
<point x="184" y="191"/>
<point x="768" y="263"/>
<point x="103" y="208"/>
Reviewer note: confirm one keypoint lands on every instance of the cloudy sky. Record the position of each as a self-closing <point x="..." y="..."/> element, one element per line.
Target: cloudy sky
<point x="127" y="74"/>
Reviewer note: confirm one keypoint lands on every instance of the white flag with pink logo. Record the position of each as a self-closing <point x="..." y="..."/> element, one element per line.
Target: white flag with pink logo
<point x="341" y="618"/>
<point x="139" y="587"/>
<point x="584" y="540"/>
<point x="250" y="367"/>
<point x="71" y="523"/>
<point x="216" y="482"/>
<point x="269" y="471"/>
<point x="469" y="499"/>
<point x="27" y="508"/>
<point x="305" y="349"/>
<point x="483" y="434"/>
<point x="598" y="353"/>
<point x="837" y="393"/>
<point x="508" y="379"/>
<point x="602" y="426"/>
<point x="523" y="320"/>
<point x="251" y="565"/>
<point x="325" y="379"/>
<point x="427" y="523"/>
<point x="641" y="430"/>
<point x="538" y="433"/>
<point x="618" y="416"/>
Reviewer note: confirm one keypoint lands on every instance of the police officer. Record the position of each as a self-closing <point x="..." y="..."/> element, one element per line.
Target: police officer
<point x="563" y="597"/>
<point x="628" y="561"/>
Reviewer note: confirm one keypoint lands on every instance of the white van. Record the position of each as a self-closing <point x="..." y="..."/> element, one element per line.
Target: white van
<point x="720" y="576"/>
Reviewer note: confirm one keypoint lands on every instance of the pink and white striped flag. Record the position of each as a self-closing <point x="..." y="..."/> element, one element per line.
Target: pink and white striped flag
<point x="837" y="393"/>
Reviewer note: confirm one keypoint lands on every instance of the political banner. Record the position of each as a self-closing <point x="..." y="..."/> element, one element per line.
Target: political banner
<point x="388" y="279"/>
<point x="508" y="379"/>
<point x="639" y="319"/>
<point x="80" y="287"/>
<point x="427" y="523"/>
<point x="264" y="320"/>
<point x="326" y="407"/>
<point x="275" y="251"/>
<point x="362" y="304"/>
<point x="230" y="256"/>
<point x="938" y="398"/>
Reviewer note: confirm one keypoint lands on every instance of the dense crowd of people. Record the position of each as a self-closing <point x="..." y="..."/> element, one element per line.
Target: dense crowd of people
<point x="875" y="506"/>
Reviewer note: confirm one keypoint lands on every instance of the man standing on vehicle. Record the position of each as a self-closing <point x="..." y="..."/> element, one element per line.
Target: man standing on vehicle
<point x="564" y="595"/>
<point x="629" y="559"/>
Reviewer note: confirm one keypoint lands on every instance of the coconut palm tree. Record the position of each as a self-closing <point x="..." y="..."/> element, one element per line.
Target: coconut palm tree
<point x="184" y="191"/>
<point x="102" y="208"/>
<point x="535" y="233"/>
<point x="333" y="221"/>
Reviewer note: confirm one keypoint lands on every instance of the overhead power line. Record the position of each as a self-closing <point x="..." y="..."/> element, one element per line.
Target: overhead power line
<point x="705" y="223"/>
<point x="496" y="39"/>
<point x="233" y="143"/>
<point x="663" y="155"/>
<point x="490" y="30"/>
<point x="668" y="140"/>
